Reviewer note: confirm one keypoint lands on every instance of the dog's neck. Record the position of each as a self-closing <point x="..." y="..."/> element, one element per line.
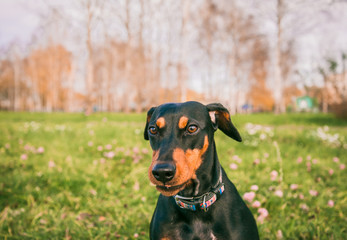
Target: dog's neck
<point x="207" y="177"/>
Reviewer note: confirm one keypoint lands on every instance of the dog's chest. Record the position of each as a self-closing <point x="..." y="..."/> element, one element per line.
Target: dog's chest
<point x="196" y="230"/>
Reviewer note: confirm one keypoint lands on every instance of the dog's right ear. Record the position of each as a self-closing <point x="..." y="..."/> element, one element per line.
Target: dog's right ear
<point x="149" y="115"/>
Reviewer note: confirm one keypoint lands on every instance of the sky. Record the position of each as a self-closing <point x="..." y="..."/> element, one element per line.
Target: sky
<point x="17" y="21"/>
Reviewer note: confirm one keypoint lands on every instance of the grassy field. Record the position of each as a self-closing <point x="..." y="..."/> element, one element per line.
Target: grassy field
<point x="68" y="176"/>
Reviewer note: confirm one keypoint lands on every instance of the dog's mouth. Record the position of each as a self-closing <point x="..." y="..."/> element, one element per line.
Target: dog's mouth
<point x="168" y="190"/>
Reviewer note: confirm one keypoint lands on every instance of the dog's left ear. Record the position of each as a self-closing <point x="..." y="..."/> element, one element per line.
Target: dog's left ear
<point x="149" y="115"/>
<point x="220" y="118"/>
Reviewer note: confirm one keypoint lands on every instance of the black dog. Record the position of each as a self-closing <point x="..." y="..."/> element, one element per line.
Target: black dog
<point x="197" y="199"/>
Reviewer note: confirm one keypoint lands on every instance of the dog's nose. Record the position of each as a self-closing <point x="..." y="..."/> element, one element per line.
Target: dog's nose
<point x="164" y="172"/>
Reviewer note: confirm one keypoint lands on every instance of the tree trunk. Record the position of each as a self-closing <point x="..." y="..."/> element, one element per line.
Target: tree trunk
<point x="278" y="86"/>
<point x="90" y="65"/>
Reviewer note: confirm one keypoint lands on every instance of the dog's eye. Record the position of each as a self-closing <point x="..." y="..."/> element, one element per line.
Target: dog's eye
<point x="192" y="128"/>
<point x="152" y="130"/>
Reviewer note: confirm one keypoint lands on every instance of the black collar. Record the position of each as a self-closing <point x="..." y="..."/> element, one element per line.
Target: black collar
<point x="204" y="201"/>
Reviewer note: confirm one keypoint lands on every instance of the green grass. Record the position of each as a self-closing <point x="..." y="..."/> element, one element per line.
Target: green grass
<point x="73" y="191"/>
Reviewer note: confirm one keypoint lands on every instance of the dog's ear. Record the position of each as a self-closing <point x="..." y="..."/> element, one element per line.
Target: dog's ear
<point x="220" y="118"/>
<point x="149" y="115"/>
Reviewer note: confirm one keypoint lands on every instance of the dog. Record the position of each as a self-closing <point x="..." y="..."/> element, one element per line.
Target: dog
<point x="197" y="200"/>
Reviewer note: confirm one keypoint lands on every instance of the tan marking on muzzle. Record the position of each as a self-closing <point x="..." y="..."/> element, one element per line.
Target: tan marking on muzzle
<point x="186" y="162"/>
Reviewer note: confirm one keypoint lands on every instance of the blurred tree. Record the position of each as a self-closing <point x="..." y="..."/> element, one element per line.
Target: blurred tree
<point x="48" y="70"/>
<point x="278" y="87"/>
<point x="226" y="33"/>
<point x="207" y="28"/>
<point x="334" y="91"/>
<point x="344" y="74"/>
<point x="324" y="93"/>
<point x="291" y="19"/>
<point x="259" y="94"/>
<point x="126" y="53"/>
<point x="92" y="12"/>
<point x="244" y="36"/>
<point x="7" y="85"/>
<point x="181" y="67"/>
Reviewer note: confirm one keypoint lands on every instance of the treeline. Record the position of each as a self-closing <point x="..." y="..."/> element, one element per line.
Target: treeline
<point x="92" y="55"/>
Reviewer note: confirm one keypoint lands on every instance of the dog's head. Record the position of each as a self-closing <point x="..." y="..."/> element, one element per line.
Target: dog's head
<point x="180" y="134"/>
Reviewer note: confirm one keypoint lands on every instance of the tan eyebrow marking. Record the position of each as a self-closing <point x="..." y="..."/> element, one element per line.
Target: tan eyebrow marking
<point x="160" y="122"/>
<point x="183" y="122"/>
